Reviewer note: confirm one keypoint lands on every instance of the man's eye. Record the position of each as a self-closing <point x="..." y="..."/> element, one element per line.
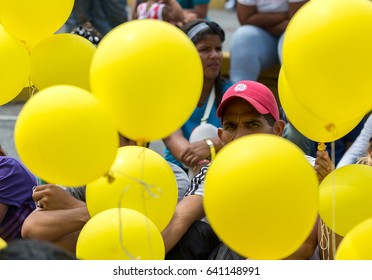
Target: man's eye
<point x="228" y="126"/>
<point x="253" y="124"/>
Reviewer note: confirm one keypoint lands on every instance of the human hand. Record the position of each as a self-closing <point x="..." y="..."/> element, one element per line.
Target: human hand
<point x="189" y="16"/>
<point x="323" y="165"/>
<point x="195" y="152"/>
<point x="53" y="197"/>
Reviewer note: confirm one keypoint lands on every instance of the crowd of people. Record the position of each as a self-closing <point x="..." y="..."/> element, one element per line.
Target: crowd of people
<point x="43" y="221"/>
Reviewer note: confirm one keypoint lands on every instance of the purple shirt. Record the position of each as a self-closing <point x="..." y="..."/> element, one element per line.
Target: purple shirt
<point x="16" y="184"/>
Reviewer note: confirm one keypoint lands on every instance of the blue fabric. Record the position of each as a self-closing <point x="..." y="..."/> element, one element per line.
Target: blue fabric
<point x="189" y="4"/>
<point x="194" y="121"/>
<point x="16" y="184"/>
<point x="252" y="50"/>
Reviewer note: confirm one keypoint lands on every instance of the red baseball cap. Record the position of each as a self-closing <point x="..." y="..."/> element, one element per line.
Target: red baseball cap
<point x="255" y="93"/>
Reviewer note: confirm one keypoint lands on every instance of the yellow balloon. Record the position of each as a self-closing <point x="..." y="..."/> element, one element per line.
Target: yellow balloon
<point x="310" y="125"/>
<point x="3" y="244"/>
<point x="15" y="67"/>
<point x="120" y="234"/>
<point x="261" y="196"/>
<point x="149" y="74"/>
<point x="140" y="179"/>
<point x="34" y="20"/>
<point x="328" y="60"/>
<point x="357" y="244"/>
<point x="344" y="197"/>
<point x="62" y="59"/>
<point x="65" y="136"/>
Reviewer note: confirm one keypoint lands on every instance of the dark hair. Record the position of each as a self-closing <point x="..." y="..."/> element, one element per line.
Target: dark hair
<point x="32" y="249"/>
<point x="214" y="29"/>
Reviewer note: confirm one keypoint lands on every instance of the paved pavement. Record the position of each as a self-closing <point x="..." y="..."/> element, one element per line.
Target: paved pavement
<point x="9" y="112"/>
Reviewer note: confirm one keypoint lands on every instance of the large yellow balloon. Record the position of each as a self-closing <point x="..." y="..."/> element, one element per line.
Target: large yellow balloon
<point x="261" y="196"/>
<point x="3" y="244"/>
<point x="140" y="179"/>
<point x="149" y="74"/>
<point x="15" y="67"/>
<point x="310" y="125"/>
<point x="120" y="234"/>
<point x="62" y="59"/>
<point x="328" y="60"/>
<point x="65" y="136"/>
<point x="34" y="20"/>
<point x="345" y="196"/>
<point x="357" y="244"/>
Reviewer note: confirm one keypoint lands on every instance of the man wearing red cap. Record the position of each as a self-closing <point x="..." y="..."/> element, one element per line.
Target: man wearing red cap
<point x="246" y="108"/>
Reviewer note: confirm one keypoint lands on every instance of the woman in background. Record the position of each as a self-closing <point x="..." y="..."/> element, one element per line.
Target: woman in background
<point x="182" y="147"/>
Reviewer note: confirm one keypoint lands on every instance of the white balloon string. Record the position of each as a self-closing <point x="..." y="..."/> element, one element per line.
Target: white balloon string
<point x="324" y="240"/>
<point x="333" y="239"/>
<point x="121" y="239"/>
<point x="148" y="191"/>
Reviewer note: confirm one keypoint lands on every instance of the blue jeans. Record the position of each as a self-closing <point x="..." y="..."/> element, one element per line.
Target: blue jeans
<point x="253" y="50"/>
<point x="103" y="14"/>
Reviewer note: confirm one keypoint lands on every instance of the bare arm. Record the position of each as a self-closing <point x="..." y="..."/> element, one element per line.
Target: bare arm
<point x="173" y="12"/>
<point x="200" y="10"/>
<point x="133" y="13"/>
<point x="176" y="143"/>
<point x="249" y="15"/>
<point x="294" y="7"/>
<point x="188" y="210"/>
<point x="307" y="249"/>
<point x="52" y="225"/>
<point x="189" y="153"/>
<point x="275" y="23"/>
<point x="199" y="150"/>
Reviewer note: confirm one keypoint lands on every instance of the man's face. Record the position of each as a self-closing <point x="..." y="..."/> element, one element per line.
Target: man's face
<point x="241" y="119"/>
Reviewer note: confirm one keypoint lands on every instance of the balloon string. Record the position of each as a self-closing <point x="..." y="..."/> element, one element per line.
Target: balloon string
<point x="324" y="240"/>
<point x="325" y="233"/>
<point x="147" y="190"/>
<point x="142" y="155"/>
<point x="333" y="156"/>
<point x="121" y="239"/>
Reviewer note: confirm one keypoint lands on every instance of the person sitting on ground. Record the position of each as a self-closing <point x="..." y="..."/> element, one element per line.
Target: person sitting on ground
<point x="257" y="44"/>
<point x="247" y="108"/>
<point x="180" y="148"/>
<point x="166" y="10"/>
<point x="104" y="15"/>
<point x="63" y="211"/>
<point x="16" y="183"/>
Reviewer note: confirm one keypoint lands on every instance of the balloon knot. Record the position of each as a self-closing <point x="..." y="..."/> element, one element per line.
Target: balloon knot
<point x="110" y="177"/>
<point x="321" y="146"/>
